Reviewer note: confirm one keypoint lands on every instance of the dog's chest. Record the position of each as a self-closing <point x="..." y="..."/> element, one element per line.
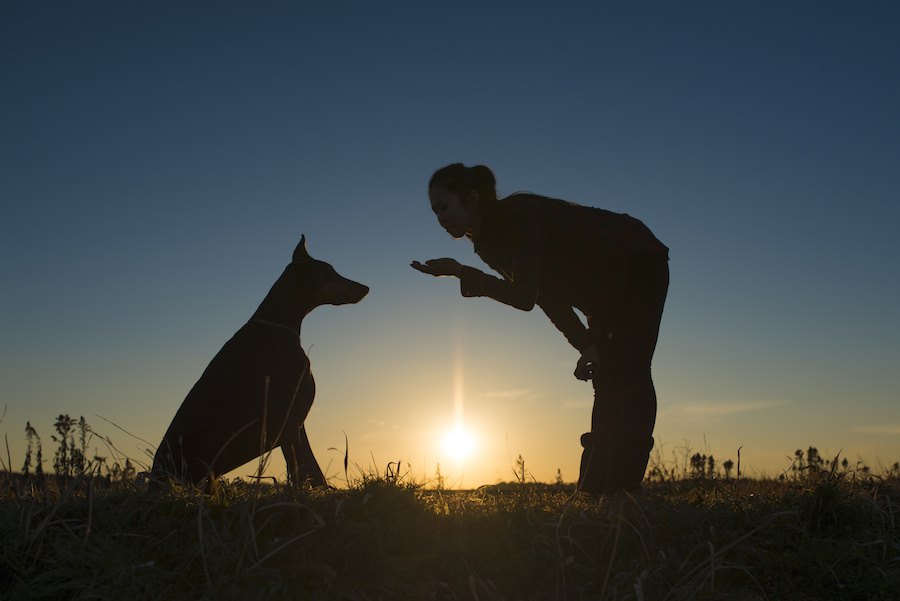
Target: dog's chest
<point x="274" y="356"/>
<point x="307" y="382"/>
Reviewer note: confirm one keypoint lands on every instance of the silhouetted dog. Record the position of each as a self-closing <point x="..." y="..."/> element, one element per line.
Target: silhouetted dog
<point x="257" y="391"/>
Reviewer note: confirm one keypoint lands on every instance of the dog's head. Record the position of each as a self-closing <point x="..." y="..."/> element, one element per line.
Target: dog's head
<point x="321" y="282"/>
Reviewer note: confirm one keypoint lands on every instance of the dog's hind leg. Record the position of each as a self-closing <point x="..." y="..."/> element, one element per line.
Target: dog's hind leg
<point x="301" y="463"/>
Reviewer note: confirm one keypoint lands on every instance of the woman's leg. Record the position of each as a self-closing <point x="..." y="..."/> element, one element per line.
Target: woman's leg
<point x="617" y="449"/>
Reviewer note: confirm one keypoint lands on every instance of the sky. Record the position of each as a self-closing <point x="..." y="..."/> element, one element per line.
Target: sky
<point x="159" y="162"/>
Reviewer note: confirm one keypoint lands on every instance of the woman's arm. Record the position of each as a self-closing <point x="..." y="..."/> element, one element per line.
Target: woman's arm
<point x="521" y="272"/>
<point x="518" y="294"/>
<point x="566" y="321"/>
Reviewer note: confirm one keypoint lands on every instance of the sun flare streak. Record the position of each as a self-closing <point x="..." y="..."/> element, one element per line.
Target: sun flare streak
<point x="458" y="442"/>
<point x="458" y="382"/>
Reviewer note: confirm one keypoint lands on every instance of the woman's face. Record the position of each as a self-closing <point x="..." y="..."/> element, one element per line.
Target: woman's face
<point x="450" y="212"/>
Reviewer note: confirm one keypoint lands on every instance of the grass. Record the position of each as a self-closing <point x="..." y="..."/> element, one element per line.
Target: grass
<point x="817" y="534"/>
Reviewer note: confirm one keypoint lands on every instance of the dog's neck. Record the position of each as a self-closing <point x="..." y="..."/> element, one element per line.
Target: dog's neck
<point x="275" y="324"/>
<point x="268" y="314"/>
<point x="281" y="308"/>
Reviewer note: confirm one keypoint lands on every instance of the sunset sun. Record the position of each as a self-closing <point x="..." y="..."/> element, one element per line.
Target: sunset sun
<point x="458" y="443"/>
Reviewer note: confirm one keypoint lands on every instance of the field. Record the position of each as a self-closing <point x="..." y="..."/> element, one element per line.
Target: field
<point x="815" y="534"/>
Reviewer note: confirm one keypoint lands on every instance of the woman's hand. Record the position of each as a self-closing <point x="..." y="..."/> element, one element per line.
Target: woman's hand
<point x="587" y="364"/>
<point x="439" y="267"/>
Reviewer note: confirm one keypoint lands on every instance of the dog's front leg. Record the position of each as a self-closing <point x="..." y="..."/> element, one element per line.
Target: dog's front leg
<point x="301" y="463"/>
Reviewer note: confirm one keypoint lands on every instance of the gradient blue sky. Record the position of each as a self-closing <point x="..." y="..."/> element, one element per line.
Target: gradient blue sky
<point x="159" y="161"/>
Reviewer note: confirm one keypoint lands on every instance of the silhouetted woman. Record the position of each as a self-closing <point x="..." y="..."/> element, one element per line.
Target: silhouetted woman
<point x="562" y="256"/>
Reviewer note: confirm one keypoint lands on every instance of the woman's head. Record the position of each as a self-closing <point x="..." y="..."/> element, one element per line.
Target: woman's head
<point x="459" y="195"/>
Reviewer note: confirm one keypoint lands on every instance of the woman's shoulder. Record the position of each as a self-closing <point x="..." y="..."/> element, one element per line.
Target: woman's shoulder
<point x="519" y="202"/>
<point x="527" y="202"/>
<point x="524" y="198"/>
<point x="521" y="207"/>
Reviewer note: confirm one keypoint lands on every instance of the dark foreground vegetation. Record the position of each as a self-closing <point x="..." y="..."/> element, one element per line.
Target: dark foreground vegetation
<point x="824" y="536"/>
<point x="823" y="531"/>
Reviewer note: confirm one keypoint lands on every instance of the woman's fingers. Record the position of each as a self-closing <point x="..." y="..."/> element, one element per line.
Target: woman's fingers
<point x="584" y="370"/>
<point x="426" y="267"/>
<point x="436" y="267"/>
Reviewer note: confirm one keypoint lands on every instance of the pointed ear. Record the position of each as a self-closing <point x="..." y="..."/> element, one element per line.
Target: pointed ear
<point x="300" y="253"/>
